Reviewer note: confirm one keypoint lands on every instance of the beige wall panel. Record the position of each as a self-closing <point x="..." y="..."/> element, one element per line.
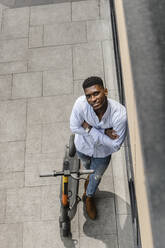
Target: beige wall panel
<point x="138" y="165"/>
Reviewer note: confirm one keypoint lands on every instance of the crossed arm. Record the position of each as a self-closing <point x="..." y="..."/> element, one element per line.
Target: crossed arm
<point x="112" y="138"/>
<point x="110" y="132"/>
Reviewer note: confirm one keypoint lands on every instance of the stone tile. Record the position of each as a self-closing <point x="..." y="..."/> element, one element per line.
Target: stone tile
<point x="125" y="231"/>
<point x="11" y="235"/>
<point x="13" y="67"/>
<point x="99" y="241"/>
<point x="1" y="11"/>
<point x="122" y="198"/>
<point x="49" y="58"/>
<point x="50" y="14"/>
<point x="49" y="109"/>
<point x="119" y="164"/>
<point x="106" y="184"/>
<point x="27" y="85"/>
<point x="12" y="120"/>
<point x="50" y="202"/>
<point x="78" y="90"/>
<point x="23" y="205"/>
<point x="12" y="156"/>
<point x="122" y="205"/>
<point x="87" y="60"/>
<point x="105" y="10"/>
<point x="58" y="82"/>
<point x="109" y="65"/>
<point x="85" y="10"/>
<point x="12" y="50"/>
<point x="2" y="206"/>
<point x="11" y="180"/>
<point x="55" y="137"/>
<point x="46" y="234"/>
<point x="22" y="3"/>
<point x="5" y="87"/>
<point x="98" y="30"/>
<point x="34" y="139"/>
<point x="65" y="33"/>
<point x="15" y="23"/>
<point x="7" y="4"/>
<point x="37" y="164"/>
<point x="113" y="94"/>
<point x="105" y="219"/>
<point x="36" y="36"/>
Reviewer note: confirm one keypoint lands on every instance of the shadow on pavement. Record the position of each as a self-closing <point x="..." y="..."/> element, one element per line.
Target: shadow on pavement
<point x="69" y="242"/>
<point x="105" y="224"/>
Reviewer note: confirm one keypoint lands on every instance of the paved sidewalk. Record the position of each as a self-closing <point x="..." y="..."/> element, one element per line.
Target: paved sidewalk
<point x="45" y="54"/>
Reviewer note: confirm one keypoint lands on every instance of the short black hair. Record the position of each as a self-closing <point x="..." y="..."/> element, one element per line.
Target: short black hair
<point x="92" y="81"/>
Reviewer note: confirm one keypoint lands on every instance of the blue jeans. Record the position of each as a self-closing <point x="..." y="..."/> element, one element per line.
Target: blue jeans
<point x="99" y="165"/>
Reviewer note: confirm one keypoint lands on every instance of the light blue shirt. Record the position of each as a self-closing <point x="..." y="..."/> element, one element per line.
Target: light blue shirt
<point x="96" y="143"/>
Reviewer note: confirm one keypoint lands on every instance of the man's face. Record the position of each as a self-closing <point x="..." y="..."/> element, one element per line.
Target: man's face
<point x="96" y="96"/>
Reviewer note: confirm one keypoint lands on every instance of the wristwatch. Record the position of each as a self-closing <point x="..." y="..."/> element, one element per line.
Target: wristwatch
<point x="87" y="130"/>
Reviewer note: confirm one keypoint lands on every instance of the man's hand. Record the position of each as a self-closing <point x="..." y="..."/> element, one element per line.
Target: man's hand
<point x="111" y="133"/>
<point x="86" y="125"/>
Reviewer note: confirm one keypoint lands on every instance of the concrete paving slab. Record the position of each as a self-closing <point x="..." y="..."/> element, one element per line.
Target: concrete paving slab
<point x="1" y="11"/>
<point x="11" y="235"/>
<point x="65" y="33"/>
<point x="13" y="67"/>
<point x="49" y="58"/>
<point x="105" y="11"/>
<point x="23" y="205"/>
<point x="12" y="50"/>
<point x="109" y="65"/>
<point x="98" y="30"/>
<point x="12" y="156"/>
<point x="119" y="170"/>
<point x="5" y="87"/>
<point x="50" y="202"/>
<point x="23" y="3"/>
<point x="27" y="85"/>
<point x="13" y="120"/>
<point x="47" y="235"/>
<point x="11" y="180"/>
<point x="78" y="90"/>
<point x="57" y="82"/>
<point x="55" y="137"/>
<point x="36" y="36"/>
<point x="49" y="109"/>
<point x="106" y="184"/>
<point x="2" y="205"/>
<point x="85" y="10"/>
<point x="50" y="14"/>
<point x="15" y="23"/>
<point x="34" y="139"/>
<point x="4" y="4"/>
<point x="87" y="60"/>
<point x="107" y="241"/>
<point x="37" y="164"/>
<point x="122" y="198"/>
<point x="125" y="232"/>
<point x="113" y="94"/>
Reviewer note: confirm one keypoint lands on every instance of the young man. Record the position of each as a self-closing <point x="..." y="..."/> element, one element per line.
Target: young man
<point x="100" y="127"/>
